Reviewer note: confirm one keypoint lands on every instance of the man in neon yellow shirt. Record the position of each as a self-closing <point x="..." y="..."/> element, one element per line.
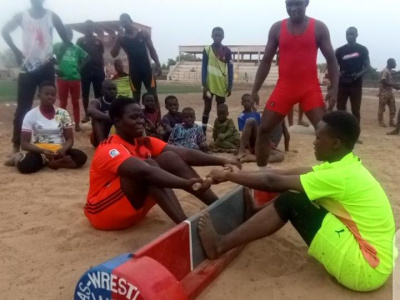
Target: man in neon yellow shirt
<point x="216" y="73"/>
<point x="338" y="208"/>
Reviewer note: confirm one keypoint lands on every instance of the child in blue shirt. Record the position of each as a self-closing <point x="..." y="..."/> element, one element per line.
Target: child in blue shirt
<point x="248" y="122"/>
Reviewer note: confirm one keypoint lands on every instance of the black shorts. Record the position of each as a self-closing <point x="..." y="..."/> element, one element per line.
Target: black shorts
<point x="304" y="215"/>
<point x="145" y="78"/>
<point x="218" y="99"/>
<point x="34" y="162"/>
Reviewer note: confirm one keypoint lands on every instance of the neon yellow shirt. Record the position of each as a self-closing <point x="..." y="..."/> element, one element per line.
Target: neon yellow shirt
<point x="356" y="239"/>
<point x="123" y="85"/>
<point x="217" y="74"/>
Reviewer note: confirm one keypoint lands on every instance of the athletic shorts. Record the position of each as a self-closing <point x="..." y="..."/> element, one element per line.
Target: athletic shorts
<point x="148" y="80"/>
<point x="284" y="98"/>
<point x="342" y="260"/>
<point x="111" y="209"/>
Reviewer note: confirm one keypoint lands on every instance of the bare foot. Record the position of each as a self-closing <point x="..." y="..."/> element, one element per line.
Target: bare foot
<point x="210" y="239"/>
<point x="248" y="158"/>
<point x="303" y="123"/>
<point x="382" y="124"/>
<point x="240" y="155"/>
<point x="13" y="160"/>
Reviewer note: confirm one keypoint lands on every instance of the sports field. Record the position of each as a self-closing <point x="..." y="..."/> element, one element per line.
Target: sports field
<point x="46" y="242"/>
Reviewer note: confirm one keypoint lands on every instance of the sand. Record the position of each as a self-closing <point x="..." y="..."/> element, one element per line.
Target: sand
<point x="46" y="243"/>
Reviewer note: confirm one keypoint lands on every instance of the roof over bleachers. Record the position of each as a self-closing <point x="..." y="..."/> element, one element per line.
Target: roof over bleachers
<point x="236" y="49"/>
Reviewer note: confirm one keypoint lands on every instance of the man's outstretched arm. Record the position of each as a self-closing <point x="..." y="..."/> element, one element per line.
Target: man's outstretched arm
<point x="263" y="181"/>
<point x="198" y="158"/>
<point x="153" y="54"/>
<point x="324" y="43"/>
<point x="265" y="64"/>
<point x="6" y="32"/>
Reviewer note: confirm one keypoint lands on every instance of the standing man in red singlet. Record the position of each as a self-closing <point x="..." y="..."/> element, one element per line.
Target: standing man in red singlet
<point x="298" y="39"/>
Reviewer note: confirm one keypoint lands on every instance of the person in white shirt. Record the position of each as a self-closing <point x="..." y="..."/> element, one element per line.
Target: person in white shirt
<point x="36" y="58"/>
<point x="47" y="137"/>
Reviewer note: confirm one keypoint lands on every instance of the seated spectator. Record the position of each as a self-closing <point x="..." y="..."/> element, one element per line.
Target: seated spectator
<point x="151" y="116"/>
<point x="98" y="112"/>
<point x="173" y="116"/>
<point x="188" y="134"/>
<point x="225" y="135"/>
<point x="248" y="122"/>
<point x="47" y="137"/>
<point x="121" y="79"/>
<point x="248" y="112"/>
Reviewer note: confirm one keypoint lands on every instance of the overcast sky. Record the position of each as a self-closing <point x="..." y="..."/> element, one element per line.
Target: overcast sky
<point x="246" y="22"/>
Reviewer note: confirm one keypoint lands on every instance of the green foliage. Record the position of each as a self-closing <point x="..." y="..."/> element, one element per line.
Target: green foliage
<point x="323" y="68"/>
<point x="188" y="57"/>
<point x="8" y="90"/>
<point x="171" y="62"/>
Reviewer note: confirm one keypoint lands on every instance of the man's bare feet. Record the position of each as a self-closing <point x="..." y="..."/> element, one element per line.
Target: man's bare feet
<point x="248" y="158"/>
<point x="209" y="237"/>
<point x="240" y="155"/>
<point x="13" y="160"/>
<point x="303" y="123"/>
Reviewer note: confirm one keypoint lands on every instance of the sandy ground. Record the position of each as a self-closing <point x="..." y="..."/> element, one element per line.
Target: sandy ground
<point x="46" y="243"/>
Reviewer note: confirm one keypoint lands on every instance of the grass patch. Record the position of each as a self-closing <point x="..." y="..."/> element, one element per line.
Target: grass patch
<point x="8" y="90"/>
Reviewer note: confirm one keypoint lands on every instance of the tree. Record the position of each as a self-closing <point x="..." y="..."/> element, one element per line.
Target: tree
<point x="372" y="75"/>
<point x="164" y="67"/>
<point x="188" y="57"/>
<point x="323" y="67"/>
<point x="171" y="62"/>
<point x="8" y="60"/>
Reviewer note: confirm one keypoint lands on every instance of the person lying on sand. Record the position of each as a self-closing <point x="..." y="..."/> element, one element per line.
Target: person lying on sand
<point x="337" y="207"/>
<point x="131" y="173"/>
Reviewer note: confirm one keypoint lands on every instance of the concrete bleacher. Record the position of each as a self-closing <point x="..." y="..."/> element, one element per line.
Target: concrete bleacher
<point x="243" y="72"/>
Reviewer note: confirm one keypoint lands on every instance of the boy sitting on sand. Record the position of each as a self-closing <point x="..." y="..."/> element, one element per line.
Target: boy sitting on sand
<point x="188" y="134"/>
<point x="173" y="116"/>
<point x="121" y="79"/>
<point x="98" y="112"/>
<point x="249" y="122"/>
<point x="225" y="135"/>
<point x="151" y="116"/>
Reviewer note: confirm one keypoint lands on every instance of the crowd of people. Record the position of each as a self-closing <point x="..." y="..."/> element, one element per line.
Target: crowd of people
<point x="338" y="208"/>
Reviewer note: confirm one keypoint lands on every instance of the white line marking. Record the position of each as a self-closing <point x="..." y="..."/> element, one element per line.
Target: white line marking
<point x="396" y="271"/>
<point x="190" y="244"/>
